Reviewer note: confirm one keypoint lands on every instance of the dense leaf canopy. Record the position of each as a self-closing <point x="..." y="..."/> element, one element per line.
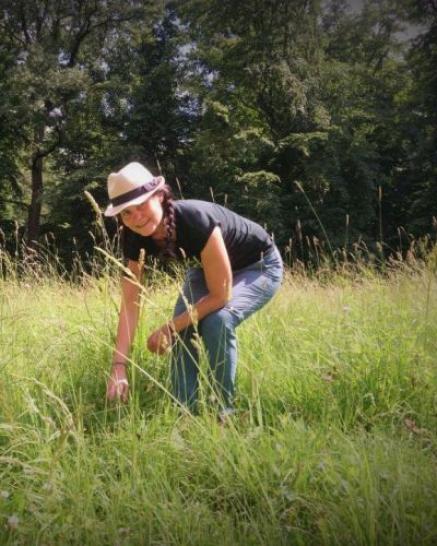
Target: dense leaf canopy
<point x="317" y="120"/>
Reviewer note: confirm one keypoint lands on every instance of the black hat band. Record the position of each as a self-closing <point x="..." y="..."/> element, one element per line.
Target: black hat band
<point x="133" y="194"/>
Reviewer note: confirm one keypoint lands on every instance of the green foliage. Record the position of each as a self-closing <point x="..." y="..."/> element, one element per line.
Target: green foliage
<point x="258" y="195"/>
<point x="213" y="92"/>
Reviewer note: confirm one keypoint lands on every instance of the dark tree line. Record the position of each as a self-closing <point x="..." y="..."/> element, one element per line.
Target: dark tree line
<point x="315" y="120"/>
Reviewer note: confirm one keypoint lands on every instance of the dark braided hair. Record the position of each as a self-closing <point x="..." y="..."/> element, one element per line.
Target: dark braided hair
<point x="169" y="250"/>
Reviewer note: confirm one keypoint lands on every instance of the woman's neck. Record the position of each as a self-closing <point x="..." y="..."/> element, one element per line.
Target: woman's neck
<point x="160" y="232"/>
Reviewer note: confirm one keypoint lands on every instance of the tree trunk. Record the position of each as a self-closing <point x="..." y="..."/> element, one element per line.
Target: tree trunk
<point x="33" y="222"/>
<point x="34" y="217"/>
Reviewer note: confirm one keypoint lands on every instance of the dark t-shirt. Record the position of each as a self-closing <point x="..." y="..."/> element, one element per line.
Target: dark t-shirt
<point x="245" y="240"/>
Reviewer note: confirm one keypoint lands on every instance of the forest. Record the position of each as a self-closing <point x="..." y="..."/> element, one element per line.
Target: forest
<point x="316" y="119"/>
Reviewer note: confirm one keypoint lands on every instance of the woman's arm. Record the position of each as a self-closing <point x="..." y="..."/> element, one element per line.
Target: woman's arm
<point x="127" y="325"/>
<point x="218" y="276"/>
<point x="129" y="311"/>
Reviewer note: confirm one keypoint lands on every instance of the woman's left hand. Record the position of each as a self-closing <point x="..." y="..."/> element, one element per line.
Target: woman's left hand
<point x="161" y="340"/>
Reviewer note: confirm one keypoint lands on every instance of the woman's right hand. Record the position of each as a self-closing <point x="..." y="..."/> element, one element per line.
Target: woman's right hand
<point x="118" y="385"/>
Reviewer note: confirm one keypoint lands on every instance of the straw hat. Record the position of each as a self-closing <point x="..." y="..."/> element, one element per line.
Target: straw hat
<point x="131" y="185"/>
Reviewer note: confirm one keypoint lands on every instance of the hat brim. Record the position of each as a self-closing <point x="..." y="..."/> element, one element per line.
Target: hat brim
<point x="113" y="211"/>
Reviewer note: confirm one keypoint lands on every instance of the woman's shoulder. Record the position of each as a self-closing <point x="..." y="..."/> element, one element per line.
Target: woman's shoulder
<point x="197" y="207"/>
<point x="192" y="204"/>
<point x="194" y="209"/>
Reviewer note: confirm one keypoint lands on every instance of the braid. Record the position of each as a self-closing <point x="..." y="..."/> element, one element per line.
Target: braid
<point x="169" y="251"/>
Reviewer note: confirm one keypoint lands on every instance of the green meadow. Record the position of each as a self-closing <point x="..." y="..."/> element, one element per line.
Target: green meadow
<point x="334" y="441"/>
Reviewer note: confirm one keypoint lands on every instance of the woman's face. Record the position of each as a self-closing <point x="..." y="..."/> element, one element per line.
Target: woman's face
<point x="146" y="217"/>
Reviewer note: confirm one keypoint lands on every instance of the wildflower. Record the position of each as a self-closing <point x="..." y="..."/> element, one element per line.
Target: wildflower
<point x="13" y="522"/>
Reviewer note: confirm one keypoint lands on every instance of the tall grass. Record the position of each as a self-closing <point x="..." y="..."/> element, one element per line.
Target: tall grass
<point x="334" y="441"/>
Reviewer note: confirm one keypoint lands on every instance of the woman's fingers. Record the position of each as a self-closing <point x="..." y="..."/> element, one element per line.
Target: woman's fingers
<point x="160" y="341"/>
<point x="118" y="389"/>
<point x="123" y="390"/>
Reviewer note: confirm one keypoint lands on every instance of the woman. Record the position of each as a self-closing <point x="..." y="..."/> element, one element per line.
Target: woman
<point x="240" y="271"/>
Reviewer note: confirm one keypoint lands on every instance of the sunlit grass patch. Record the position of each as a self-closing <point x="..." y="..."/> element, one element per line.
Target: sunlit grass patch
<point x="333" y="443"/>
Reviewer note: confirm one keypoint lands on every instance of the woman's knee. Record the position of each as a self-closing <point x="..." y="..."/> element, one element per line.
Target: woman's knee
<point x="216" y="322"/>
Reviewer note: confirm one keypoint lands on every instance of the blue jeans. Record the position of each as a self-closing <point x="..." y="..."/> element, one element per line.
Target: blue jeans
<point x="253" y="286"/>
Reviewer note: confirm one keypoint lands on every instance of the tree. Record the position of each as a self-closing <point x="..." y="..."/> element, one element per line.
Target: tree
<point x="58" y="49"/>
<point x="302" y="93"/>
<point x="11" y="197"/>
<point x="420" y="167"/>
<point x="132" y="113"/>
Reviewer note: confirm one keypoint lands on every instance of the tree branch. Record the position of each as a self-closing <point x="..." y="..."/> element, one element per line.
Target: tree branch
<point x="41" y="18"/>
<point x="89" y="28"/>
<point x="13" y="38"/>
<point x="39" y="154"/>
<point x="13" y="202"/>
<point x="24" y="28"/>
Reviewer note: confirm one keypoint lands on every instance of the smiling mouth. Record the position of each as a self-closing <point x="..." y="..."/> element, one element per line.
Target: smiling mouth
<point x="142" y="225"/>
